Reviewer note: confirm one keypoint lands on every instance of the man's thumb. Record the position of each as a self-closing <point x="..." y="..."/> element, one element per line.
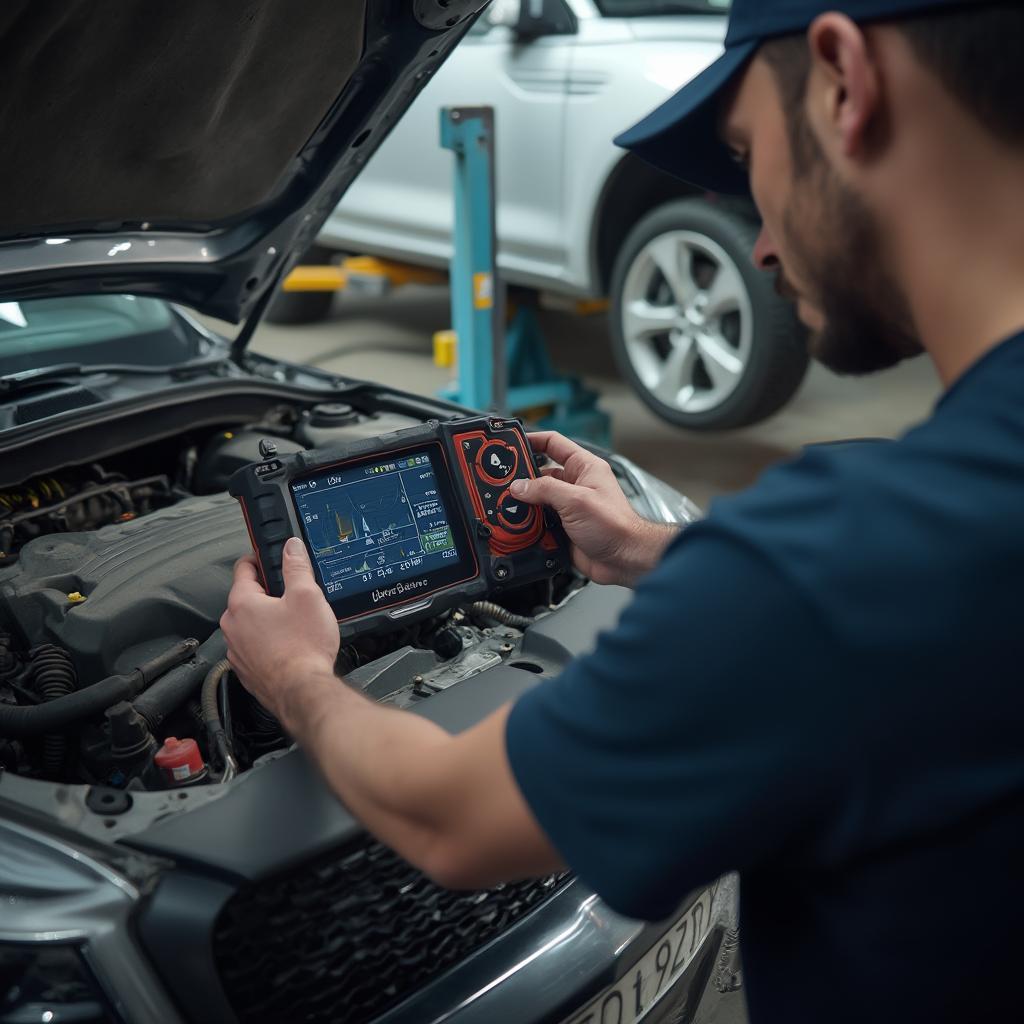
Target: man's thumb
<point x="296" y="565"/>
<point x="546" y="490"/>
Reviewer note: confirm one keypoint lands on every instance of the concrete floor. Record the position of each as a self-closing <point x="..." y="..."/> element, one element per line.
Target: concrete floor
<point x="389" y="340"/>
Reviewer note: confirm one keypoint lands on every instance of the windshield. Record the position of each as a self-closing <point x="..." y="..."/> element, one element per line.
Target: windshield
<point x="646" y="8"/>
<point x="94" y="330"/>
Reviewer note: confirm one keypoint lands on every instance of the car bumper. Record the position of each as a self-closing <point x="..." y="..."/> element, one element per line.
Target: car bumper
<point x="567" y="952"/>
<point x="542" y="971"/>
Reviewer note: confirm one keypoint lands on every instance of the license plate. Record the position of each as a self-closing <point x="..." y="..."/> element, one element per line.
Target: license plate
<point x="632" y="997"/>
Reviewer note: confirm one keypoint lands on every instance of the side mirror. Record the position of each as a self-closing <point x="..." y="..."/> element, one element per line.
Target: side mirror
<point x="532" y="19"/>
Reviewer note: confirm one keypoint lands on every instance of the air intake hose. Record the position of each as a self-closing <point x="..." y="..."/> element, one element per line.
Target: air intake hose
<point x="58" y="714"/>
<point x="168" y="694"/>
<point x="53" y="674"/>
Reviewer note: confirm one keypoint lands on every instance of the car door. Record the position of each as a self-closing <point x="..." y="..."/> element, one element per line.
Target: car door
<point x="401" y="205"/>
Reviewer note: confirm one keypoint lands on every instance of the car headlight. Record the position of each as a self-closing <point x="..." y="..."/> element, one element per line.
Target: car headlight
<point x="58" y="901"/>
<point x="653" y="498"/>
<point x="40" y="984"/>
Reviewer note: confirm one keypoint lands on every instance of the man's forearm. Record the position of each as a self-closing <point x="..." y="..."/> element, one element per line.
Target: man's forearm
<point x="447" y="804"/>
<point x="382" y="763"/>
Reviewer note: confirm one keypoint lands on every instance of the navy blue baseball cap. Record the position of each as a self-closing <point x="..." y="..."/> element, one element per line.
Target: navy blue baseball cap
<point x="681" y="136"/>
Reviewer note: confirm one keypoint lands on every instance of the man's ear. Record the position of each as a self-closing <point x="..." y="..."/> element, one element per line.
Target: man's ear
<point x="844" y="84"/>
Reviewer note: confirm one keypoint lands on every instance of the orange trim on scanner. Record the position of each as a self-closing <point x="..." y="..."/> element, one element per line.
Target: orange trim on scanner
<point x="502" y="542"/>
<point x="252" y="542"/>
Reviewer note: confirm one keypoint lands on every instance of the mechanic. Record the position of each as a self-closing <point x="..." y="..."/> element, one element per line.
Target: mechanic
<point x="819" y="685"/>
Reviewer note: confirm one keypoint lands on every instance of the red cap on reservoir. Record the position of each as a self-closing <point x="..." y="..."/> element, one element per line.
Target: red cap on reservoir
<point x="179" y="760"/>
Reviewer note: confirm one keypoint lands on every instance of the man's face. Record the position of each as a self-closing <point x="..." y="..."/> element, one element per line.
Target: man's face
<point x="820" y="236"/>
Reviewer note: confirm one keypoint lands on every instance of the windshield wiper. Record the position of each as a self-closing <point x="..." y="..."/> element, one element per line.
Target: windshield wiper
<point x="44" y="376"/>
<point x="26" y="380"/>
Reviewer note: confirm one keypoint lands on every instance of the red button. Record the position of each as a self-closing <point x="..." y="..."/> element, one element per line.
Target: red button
<point x="515" y="514"/>
<point x="497" y="462"/>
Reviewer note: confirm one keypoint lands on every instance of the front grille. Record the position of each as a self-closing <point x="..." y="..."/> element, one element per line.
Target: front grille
<point x="347" y="937"/>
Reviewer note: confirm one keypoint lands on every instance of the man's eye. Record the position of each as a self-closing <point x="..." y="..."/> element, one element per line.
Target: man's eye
<point x="743" y="159"/>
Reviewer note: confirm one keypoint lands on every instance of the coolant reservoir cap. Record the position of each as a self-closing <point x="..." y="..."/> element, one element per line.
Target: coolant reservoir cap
<point x="331" y="414"/>
<point x="179" y="759"/>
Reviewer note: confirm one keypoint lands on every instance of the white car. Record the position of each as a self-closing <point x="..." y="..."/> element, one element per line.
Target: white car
<point x="698" y="332"/>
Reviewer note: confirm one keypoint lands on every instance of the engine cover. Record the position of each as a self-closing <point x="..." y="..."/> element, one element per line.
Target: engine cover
<point x="144" y="584"/>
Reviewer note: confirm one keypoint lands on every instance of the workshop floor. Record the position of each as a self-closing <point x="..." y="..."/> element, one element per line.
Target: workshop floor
<point x="389" y="340"/>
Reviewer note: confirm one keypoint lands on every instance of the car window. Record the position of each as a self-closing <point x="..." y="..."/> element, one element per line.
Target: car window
<point x="646" y="8"/>
<point x="93" y="330"/>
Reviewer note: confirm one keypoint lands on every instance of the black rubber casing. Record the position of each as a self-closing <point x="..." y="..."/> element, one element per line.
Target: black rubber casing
<point x="507" y="553"/>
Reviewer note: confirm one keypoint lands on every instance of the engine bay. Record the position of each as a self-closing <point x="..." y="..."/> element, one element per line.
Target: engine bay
<point x="113" y="577"/>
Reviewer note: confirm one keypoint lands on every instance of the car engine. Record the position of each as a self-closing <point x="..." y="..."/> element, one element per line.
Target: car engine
<point x="112" y="583"/>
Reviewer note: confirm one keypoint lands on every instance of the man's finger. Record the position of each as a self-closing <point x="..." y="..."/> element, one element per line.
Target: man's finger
<point x="556" y="471"/>
<point x="556" y="446"/>
<point x="547" y="490"/>
<point x="296" y="567"/>
<point x="247" y="575"/>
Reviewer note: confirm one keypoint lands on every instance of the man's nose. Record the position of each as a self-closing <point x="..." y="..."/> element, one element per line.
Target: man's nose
<point x="766" y="256"/>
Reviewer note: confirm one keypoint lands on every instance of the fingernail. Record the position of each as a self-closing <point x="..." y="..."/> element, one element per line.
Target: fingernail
<point x="518" y="488"/>
<point x="294" y="548"/>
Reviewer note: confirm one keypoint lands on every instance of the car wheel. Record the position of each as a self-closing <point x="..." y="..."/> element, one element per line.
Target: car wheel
<point x="302" y="307"/>
<point x="697" y="330"/>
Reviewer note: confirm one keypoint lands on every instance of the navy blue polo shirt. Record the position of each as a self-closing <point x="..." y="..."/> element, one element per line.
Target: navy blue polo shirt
<point x="822" y="687"/>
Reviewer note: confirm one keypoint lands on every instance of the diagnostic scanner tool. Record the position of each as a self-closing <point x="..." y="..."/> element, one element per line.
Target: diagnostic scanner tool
<point x="405" y="524"/>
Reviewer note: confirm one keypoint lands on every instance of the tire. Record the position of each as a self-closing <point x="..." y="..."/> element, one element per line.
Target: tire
<point x="697" y="330"/>
<point x="302" y="307"/>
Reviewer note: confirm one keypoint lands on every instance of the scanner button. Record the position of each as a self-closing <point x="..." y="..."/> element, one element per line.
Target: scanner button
<point x="276" y="529"/>
<point x="497" y="462"/>
<point x="514" y="514"/>
<point x="266" y="504"/>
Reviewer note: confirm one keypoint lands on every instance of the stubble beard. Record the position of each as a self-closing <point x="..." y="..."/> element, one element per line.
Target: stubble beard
<point x="868" y="325"/>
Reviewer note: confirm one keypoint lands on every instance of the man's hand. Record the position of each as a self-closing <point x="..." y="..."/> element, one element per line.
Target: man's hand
<point x="611" y="543"/>
<point x="280" y="647"/>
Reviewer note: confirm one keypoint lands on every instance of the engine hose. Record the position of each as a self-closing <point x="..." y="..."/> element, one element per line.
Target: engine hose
<point x="208" y="699"/>
<point x="211" y="716"/>
<point x="53" y="674"/>
<point x="58" y="714"/>
<point x="168" y="694"/>
<point x="266" y="732"/>
<point x="6" y="543"/>
<point x="196" y="713"/>
<point x="225" y="711"/>
<point x="490" y="610"/>
<point x="8" y="659"/>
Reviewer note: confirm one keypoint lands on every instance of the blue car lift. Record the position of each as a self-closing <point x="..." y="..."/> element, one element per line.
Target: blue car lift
<point x="505" y="368"/>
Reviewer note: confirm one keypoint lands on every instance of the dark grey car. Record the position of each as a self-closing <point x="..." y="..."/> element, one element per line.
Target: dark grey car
<point x="170" y="160"/>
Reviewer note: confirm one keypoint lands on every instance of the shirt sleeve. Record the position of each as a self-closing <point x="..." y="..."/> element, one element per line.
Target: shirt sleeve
<point x="701" y="736"/>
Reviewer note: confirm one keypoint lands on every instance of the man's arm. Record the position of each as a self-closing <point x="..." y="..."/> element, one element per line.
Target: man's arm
<point x="610" y="542"/>
<point x="448" y="804"/>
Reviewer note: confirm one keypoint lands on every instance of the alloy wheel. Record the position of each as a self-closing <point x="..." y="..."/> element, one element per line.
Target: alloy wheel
<point x="687" y="321"/>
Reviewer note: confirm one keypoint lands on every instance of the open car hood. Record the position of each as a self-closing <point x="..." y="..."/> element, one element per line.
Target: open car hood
<point x="191" y="150"/>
